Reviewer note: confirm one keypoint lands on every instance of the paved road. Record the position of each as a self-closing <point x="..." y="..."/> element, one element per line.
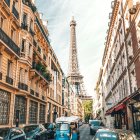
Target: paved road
<point x="85" y="132"/>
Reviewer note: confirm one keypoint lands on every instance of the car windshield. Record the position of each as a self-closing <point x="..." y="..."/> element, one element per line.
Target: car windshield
<point x="30" y="130"/>
<point x="95" y="123"/>
<point x="62" y="126"/>
<point x="106" y="136"/>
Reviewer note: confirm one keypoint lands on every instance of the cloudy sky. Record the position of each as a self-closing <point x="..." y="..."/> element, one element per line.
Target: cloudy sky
<point x="92" y="23"/>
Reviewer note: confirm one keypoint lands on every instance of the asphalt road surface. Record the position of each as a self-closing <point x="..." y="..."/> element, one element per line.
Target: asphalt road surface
<point x="85" y="132"/>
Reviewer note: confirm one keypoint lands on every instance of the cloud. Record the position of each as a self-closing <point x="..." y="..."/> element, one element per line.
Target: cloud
<point x="92" y="19"/>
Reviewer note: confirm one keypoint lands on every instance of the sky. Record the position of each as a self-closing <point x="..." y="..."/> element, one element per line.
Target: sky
<point x="92" y="17"/>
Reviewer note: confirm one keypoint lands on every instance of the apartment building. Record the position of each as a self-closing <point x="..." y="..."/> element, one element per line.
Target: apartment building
<point x="121" y="66"/>
<point x="30" y="74"/>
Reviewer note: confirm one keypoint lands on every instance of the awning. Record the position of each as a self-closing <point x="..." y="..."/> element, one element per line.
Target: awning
<point x="109" y="111"/>
<point x="119" y="107"/>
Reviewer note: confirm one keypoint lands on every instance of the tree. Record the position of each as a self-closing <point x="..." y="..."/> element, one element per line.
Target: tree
<point x="87" y="109"/>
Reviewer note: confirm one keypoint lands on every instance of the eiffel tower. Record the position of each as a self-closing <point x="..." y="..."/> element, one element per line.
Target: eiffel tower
<point x="74" y="77"/>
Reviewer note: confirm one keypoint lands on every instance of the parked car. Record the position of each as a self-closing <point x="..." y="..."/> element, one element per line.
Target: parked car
<point x="51" y="128"/>
<point x="114" y="134"/>
<point x="95" y="125"/>
<point x="35" y="132"/>
<point x="106" y="134"/>
<point x="12" y="134"/>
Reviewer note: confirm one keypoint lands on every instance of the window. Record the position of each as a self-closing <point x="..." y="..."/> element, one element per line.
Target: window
<point x="29" y="52"/>
<point x="1" y="22"/>
<point x="13" y="34"/>
<point x="4" y="107"/>
<point x="31" y="24"/>
<point x="21" y="75"/>
<point x="42" y="114"/>
<point x="20" y="104"/>
<point x="23" y="46"/>
<point x="37" y="87"/>
<point x="25" y="19"/>
<point x="0" y="62"/>
<point x="26" y="77"/>
<point x="33" y="112"/>
<point x="9" y="68"/>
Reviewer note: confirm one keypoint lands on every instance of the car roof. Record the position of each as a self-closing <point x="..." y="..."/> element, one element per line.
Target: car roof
<point x="106" y="130"/>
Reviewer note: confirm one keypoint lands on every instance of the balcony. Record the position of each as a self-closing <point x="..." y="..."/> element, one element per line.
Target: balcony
<point x="32" y="32"/>
<point x="7" y="2"/>
<point x="41" y="70"/>
<point x="24" y="26"/>
<point x="8" y="41"/>
<point x="0" y="76"/>
<point x="9" y="80"/>
<point x="15" y="12"/>
<point x="29" y="4"/>
<point x="22" y="86"/>
<point x="37" y="94"/>
<point x="31" y="92"/>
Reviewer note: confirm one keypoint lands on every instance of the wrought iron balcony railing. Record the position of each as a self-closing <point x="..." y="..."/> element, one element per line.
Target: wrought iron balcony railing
<point x="29" y="4"/>
<point x="0" y="76"/>
<point x="22" y="86"/>
<point x="8" y="41"/>
<point x="32" y="32"/>
<point x="15" y="12"/>
<point x="32" y="92"/>
<point x="24" y="26"/>
<point x="7" y="2"/>
<point x="9" y="80"/>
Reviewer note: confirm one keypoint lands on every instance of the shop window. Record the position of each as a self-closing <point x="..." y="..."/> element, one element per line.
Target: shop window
<point x="4" y="107"/>
<point x="42" y="114"/>
<point x="33" y="112"/>
<point x="21" y="106"/>
<point x="9" y="69"/>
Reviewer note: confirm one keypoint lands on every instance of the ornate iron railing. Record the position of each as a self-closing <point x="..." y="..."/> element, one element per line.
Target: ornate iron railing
<point x="31" y="92"/>
<point x="9" y="80"/>
<point x="8" y="41"/>
<point x="22" y="86"/>
<point x="24" y="26"/>
<point x="15" y="12"/>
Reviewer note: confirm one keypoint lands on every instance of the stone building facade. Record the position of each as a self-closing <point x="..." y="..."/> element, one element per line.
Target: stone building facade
<point x="30" y="74"/>
<point x="121" y="66"/>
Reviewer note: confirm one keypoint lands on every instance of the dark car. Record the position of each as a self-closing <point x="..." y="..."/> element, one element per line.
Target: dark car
<point x="51" y="128"/>
<point x="106" y="134"/>
<point x="12" y="134"/>
<point x="95" y="125"/>
<point x="35" y="132"/>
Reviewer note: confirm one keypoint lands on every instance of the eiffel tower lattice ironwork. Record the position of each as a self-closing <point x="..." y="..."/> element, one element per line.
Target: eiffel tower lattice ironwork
<point x="74" y="77"/>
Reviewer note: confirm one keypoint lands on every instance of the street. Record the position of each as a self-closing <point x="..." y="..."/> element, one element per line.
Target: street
<point x="85" y="132"/>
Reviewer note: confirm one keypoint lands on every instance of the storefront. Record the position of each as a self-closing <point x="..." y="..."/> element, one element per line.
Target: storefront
<point x="134" y="106"/>
<point x="119" y="112"/>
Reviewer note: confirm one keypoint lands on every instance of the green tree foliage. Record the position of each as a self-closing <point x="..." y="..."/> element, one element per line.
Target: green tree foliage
<point x="87" y="109"/>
